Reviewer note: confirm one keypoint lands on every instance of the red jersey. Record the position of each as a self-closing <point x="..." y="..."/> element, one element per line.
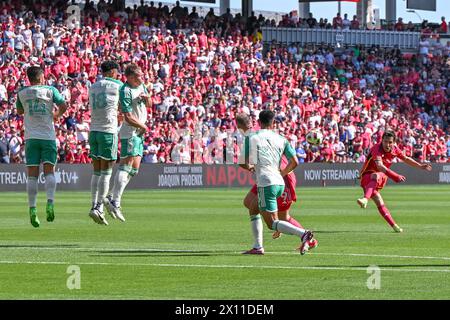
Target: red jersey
<point x="377" y="153"/>
<point x="290" y="180"/>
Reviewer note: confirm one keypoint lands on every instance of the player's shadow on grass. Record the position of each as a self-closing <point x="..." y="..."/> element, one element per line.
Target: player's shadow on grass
<point x="50" y="246"/>
<point x="158" y="253"/>
<point x="347" y="231"/>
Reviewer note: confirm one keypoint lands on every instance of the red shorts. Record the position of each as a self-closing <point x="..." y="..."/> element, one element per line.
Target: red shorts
<point x="284" y="202"/>
<point x="381" y="180"/>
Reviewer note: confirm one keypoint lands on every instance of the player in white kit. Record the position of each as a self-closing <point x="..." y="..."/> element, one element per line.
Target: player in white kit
<point x="134" y="101"/>
<point x="263" y="154"/>
<point x="103" y="136"/>
<point x="36" y="103"/>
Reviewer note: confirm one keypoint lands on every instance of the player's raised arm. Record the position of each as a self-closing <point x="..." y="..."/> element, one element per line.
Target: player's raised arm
<point x="415" y="164"/>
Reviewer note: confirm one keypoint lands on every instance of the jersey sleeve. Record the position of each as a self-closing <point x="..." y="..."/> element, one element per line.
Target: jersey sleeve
<point x="125" y="99"/>
<point x="245" y="152"/>
<point x="250" y="149"/>
<point x="289" y="151"/>
<point x="19" y="105"/>
<point x="399" y="153"/>
<point x="58" y="99"/>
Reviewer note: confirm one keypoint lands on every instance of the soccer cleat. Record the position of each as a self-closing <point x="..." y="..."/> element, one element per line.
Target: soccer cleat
<point x="362" y="202"/>
<point x="313" y="243"/>
<point x="114" y="210"/>
<point x="93" y="214"/>
<point x="397" y="228"/>
<point x="306" y="238"/>
<point x="101" y="217"/>
<point x="34" y="218"/>
<point x="109" y="207"/>
<point x="259" y="251"/>
<point x="276" y="235"/>
<point x="50" y="212"/>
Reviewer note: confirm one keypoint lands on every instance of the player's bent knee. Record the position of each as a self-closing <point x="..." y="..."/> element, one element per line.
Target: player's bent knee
<point x="283" y="215"/>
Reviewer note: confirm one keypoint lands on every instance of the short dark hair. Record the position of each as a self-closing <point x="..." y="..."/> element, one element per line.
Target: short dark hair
<point x="34" y="73"/>
<point x="109" y="65"/>
<point x="131" y="69"/>
<point x="389" y="134"/>
<point x="266" y="117"/>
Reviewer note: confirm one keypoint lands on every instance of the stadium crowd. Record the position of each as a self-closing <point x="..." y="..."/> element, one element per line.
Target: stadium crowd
<point x="202" y="71"/>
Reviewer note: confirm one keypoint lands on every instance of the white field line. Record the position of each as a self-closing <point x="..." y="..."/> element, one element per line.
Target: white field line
<point x="219" y="266"/>
<point x="142" y="250"/>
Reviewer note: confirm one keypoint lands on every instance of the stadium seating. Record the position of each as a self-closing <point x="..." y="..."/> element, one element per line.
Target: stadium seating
<point x="201" y="71"/>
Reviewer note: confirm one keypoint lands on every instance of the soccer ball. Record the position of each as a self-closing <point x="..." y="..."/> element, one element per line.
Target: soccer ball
<point x="314" y="137"/>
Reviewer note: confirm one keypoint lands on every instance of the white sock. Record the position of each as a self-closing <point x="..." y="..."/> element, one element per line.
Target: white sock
<point x="50" y="186"/>
<point x="257" y="230"/>
<point x="103" y="186"/>
<point x="32" y="189"/>
<point x="287" y="228"/>
<point x="94" y="187"/>
<point x="120" y="182"/>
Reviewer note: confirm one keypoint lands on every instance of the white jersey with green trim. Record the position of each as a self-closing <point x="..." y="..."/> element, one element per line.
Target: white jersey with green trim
<point x="37" y="103"/>
<point x="131" y="101"/>
<point x="265" y="151"/>
<point x="104" y="105"/>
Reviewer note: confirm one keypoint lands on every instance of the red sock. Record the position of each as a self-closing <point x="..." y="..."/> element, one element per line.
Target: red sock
<point x="386" y="215"/>
<point x="368" y="191"/>
<point x="295" y="222"/>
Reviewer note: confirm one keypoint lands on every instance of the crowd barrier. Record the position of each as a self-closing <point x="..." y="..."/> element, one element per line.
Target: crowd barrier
<point x="334" y="37"/>
<point x="169" y="176"/>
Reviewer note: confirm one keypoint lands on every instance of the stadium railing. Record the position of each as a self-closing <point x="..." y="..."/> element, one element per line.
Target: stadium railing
<point x="389" y="39"/>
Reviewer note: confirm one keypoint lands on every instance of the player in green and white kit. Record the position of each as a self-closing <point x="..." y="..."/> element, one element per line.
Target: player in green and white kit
<point x="35" y="102"/>
<point x="134" y="101"/>
<point x="103" y="136"/>
<point x="263" y="152"/>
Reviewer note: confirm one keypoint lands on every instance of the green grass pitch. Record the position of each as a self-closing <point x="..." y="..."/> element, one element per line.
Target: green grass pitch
<point x="186" y="245"/>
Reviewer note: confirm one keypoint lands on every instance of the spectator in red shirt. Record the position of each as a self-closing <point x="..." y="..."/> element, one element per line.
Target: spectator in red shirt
<point x="444" y="27"/>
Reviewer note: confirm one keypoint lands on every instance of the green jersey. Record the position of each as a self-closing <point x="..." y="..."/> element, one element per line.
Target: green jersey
<point x="37" y="104"/>
<point x="265" y="149"/>
<point x="103" y="102"/>
<point x="130" y="101"/>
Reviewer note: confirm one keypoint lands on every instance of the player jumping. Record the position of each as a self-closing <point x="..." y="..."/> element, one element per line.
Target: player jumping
<point x="103" y="140"/>
<point x="134" y="101"/>
<point x="35" y="102"/>
<point x="263" y="151"/>
<point x="375" y="173"/>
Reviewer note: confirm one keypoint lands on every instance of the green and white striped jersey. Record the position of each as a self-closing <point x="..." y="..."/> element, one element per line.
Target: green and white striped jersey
<point x="264" y="150"/>
<point x="103" y="102"/>
<point x="130" y="101"/>
<point x="37" y="104"/>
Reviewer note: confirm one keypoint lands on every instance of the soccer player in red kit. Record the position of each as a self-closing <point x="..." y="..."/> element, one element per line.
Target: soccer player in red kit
<point x="376" y="171"/>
